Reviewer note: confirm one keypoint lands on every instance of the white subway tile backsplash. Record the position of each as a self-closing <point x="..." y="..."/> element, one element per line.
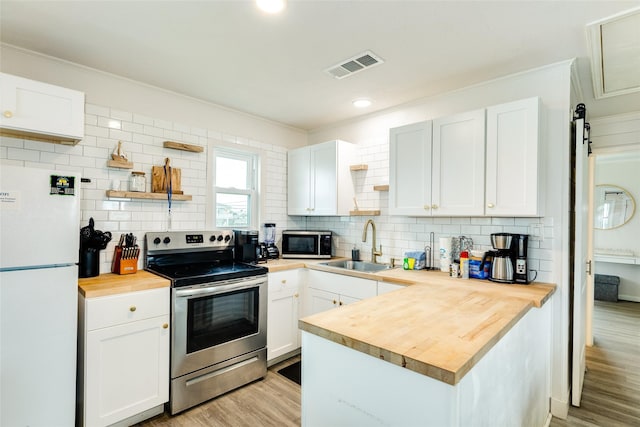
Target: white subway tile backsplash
<point x="22" y="154"/>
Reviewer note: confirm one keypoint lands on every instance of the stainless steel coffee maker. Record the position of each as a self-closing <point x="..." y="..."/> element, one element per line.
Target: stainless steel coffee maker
<point x="502" y="258"/>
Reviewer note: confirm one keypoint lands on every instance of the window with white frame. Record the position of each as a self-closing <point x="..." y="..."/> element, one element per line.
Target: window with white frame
<point x="235" y="188"/>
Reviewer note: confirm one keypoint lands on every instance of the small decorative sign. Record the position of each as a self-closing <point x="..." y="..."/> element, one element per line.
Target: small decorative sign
<point x="63" y="185"/>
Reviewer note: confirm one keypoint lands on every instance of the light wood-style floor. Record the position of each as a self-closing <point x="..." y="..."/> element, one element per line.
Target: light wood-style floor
<point x="611" y="393"/>
<point x="271" y="402"/>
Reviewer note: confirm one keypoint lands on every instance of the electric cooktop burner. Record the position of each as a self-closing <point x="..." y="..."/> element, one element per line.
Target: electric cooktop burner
<point x="195" y="257"/>
<point x="193" y="274"/>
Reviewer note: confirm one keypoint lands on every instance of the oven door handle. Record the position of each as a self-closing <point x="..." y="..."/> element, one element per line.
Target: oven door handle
<point x="218" y="289"/>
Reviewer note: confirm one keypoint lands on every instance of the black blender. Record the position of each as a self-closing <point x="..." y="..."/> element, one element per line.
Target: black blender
<point x="269" y="232"/>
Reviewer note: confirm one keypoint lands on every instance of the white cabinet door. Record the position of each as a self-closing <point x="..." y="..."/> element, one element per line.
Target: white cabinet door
<point x="319" y="179"/>
<point x="328" y="290"/>
<point x="127" y="370"/>
<point x="319" y="300"/>
<point x="324" y="185"/>
<point x="410" y="169"/>
<point x="298" y="180"/>
<point x="513" y="179"/>
<point x="457" y="165"/>
<point x="283" y="335"/>
<point x="36" y="108"/>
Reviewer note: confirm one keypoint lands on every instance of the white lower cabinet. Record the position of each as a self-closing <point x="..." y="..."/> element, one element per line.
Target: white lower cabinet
<point x="386" y="287"/>
<point x="123" y="356"/>
<point x="328" y="290"/>
<point x="283" y="335"/>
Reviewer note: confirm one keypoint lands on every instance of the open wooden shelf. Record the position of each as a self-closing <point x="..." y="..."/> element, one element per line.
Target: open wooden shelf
<point x="359" y="167"/>
<point x="183" y="146"/>
<point x="381" y="187"/>
<point x="365" y="212"/>
<point x="119" y="164"/>
<point x="146" y="196"/>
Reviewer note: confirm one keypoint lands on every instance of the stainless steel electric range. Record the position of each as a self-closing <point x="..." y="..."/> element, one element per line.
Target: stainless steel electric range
<point x="218" y="314"/>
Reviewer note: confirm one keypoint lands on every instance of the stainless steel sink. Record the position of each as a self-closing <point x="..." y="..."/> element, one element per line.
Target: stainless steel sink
<point x="364" y="266"/>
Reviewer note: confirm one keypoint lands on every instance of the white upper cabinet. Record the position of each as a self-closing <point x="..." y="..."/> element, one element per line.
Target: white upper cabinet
<point x="410" y="169"/>
<point x="514" y="178"/>
<point x="39" y="109"/>
<point x="479" y="163"/>
<point x="436" y="167"/>
<point x="457" y="166"/>
<point x="319" y="179"/>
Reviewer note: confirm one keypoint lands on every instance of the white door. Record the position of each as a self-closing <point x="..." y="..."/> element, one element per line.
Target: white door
<point x="319" y="301"/>
<point x="581" y="265"/>
<point x="282" y="323"/>
<point x="298" y="178"/>
<point x="116" y="355"/>
<point x="513" y="159"/>
<point x="410" y="170"/>
<point x="458" y="165"/>
<point x="324" y="186"/>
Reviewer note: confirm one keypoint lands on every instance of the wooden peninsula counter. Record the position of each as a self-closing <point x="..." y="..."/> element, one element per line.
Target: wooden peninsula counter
<point x="442" y="352"/>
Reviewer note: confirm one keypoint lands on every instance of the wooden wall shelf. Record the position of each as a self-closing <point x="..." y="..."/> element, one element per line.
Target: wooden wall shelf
<point x="381" y="187"/>
<point x="359" y="167"/>
<point x="183" y="147"/>
<point x="364" y="212"/>
<point x="146" y="196"/>
<point x="119" y="164"/>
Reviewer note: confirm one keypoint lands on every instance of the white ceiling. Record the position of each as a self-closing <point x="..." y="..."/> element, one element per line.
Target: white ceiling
<point x="229" y="53"/>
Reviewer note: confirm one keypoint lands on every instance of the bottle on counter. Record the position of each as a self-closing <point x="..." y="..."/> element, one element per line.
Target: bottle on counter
<point x="464" y="264"/>
<point x="454" y="270"/>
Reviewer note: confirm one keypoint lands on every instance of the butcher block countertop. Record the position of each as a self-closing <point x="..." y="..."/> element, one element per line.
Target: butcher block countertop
<point x="437" y="330"/>
<point x="437" y="326"/>
<point x="111" y="284"/>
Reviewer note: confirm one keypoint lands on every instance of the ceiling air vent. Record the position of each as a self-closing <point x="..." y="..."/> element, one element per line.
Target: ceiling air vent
<point x="354" y="64"/>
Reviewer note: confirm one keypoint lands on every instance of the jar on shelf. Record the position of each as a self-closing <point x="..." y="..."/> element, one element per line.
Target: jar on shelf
<point x="138" y="182"/>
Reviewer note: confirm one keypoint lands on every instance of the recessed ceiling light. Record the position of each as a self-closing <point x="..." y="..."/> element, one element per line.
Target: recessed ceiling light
<point x="361" y="102"/>
<point x="271" y="6"/>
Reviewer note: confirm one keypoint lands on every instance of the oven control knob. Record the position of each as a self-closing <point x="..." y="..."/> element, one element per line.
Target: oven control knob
<point x="212" y="238"/>
<point x="156" y="241"/>
<point x="220" y="238"/>
<point x="227" y="238"/>
<point x="166" y="240"/>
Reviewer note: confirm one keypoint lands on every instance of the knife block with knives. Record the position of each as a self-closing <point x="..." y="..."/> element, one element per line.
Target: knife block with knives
<point x="125" y="258"/>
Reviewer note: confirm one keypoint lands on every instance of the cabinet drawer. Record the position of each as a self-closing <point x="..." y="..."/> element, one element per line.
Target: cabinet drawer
<point x="114" y="310"/>
<point x="284" y="280"/>
<point x="354" y="287"/>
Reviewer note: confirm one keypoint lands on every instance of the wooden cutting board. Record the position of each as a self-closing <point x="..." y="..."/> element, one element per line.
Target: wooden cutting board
<point x="159" y="183"/>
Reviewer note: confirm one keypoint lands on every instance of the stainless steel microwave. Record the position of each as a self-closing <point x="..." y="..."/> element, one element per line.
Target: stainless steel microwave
<point x="306" y="244"/>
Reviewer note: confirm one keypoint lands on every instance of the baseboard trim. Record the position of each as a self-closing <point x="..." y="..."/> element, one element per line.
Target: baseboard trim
<point x="633" y="298"/>
<point x="560" y="408"/>
<point x="549" y="418"/>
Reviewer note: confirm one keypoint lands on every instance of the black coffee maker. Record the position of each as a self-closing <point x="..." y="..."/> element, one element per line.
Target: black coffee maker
<point x="519" y="245"/>
<point x="509" y="260"/>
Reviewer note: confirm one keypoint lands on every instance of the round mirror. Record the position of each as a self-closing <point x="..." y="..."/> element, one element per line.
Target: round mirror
<point x="614" y="207"/>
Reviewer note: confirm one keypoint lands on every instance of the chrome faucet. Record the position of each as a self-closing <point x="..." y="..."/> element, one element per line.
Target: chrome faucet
<point x="374" y="253"/>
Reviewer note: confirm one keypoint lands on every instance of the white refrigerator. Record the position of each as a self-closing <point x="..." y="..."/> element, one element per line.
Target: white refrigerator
<point x="39" y="240"/>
